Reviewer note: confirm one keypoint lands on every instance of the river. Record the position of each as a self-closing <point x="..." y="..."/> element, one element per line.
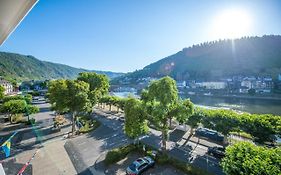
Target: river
<point x="258" y="106"/>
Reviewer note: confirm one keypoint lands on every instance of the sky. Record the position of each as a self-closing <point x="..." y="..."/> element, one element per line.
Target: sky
<point x="126" y="35"/>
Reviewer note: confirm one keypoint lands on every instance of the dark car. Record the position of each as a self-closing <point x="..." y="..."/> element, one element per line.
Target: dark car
<point x="140" y="165"/>
<point x="211" y="134"/>
<point x="218" y="152"/>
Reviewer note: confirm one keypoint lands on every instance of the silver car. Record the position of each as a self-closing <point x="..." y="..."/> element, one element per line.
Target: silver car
<point x="140" y="165"/>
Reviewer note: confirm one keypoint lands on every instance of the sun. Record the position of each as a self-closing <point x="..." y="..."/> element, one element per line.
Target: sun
<point x="231" y="24"/>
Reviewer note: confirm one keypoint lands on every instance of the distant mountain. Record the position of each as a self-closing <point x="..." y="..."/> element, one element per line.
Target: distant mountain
<point x="21" y="67"/>
<point x="257" y="56"/>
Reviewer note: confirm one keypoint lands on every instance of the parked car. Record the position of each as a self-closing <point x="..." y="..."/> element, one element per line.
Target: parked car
<point x="211" y="134"/>
<point x="140" y="165"/>
<point x="218" y="152"/>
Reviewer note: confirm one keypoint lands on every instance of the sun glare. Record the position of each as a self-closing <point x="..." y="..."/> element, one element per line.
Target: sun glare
<point x="231" y="24"/>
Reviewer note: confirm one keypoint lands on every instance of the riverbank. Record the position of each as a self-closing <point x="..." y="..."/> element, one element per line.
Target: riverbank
<point x="238" y="97"/>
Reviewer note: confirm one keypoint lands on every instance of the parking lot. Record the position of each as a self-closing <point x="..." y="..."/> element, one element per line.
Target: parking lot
<point x="120" y="167"/>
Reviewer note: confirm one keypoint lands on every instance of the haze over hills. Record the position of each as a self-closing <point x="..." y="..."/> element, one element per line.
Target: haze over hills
<point x="25" y="67"/>
<point x="248" y="56"/>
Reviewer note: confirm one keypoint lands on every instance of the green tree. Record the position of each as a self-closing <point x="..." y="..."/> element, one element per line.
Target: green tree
<point x="2" y="90"/>
<point x="30" y="109"/>
<point x="28" y="98"/>
<point x="99" y="85"/>
<point x="244" y="158"/>
<point x="162" y="103"/>
<point x="57" y="93"/>
<point x="135" y="118"/>
<point x="121" y="103"/>
<point x="262" y="127"/>
<point x="194" y="120"/>
<point x="70" y="95"/>
<point x="13" y="107"/>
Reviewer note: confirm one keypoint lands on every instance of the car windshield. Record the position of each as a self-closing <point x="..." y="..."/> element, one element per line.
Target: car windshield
<point x="133" y="167"/>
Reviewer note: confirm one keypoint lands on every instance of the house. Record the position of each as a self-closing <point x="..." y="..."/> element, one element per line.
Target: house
<point x="7" y="85"/>
<point x="247" y="83"/>
<point x="181" y="84"/>
<point x="212" y="85"/>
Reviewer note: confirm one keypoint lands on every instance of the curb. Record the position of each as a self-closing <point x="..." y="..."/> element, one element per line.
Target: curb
<point x="98" y="160"/>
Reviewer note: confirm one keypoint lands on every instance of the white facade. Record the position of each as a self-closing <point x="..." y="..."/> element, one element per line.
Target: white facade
<point x="212" y="85"/>
<point x="181" y="83"/>
<point x="7" y="85"/>
<point x="246" y="83"/>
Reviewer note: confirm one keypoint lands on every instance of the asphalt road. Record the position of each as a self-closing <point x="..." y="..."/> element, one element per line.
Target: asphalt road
<point x="84" y="150"/>
<point x="193" y="151"/>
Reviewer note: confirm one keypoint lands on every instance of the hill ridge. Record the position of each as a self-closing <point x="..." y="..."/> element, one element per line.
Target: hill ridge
<point x="18" y="67"/>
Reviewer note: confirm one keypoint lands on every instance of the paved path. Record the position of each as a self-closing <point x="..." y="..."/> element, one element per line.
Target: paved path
<point x="84" y="150"/>
<point x="51" y="157"/>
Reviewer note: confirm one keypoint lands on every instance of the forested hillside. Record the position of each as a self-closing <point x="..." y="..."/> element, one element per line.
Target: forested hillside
<point x="257" y="56"/>
<point x="21" y="67"/>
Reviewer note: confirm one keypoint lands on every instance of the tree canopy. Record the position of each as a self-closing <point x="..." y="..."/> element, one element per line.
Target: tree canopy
<point x="135" y="118"/>
<point x="244" y="158"/>
<point x="162" y="103"/>
<point x="98" y="85"/>
<point x="69" y="95"/>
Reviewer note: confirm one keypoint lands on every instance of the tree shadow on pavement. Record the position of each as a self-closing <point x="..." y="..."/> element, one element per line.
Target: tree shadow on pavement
<point x="176" y="135"/>
<point x="208" y="163"/>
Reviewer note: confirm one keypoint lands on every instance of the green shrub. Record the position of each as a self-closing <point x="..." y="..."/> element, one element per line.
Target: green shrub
<point x="118" y="154"/>
<point x="186" y="168"/>
<point x="88" y="124"/>
<point x="162" y="159"/>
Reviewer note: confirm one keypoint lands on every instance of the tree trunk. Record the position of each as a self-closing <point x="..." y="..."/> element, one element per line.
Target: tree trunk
<point x="73" y="123"/>
<point x="109" y="107"/>
<point x="164" y="135"/>
<point x="117" y="109"/>
<point x="170" y="122"/>
<point x="10" y="118"/>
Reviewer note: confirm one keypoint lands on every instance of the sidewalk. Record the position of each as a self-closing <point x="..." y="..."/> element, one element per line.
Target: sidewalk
<point x="51" y="159"/>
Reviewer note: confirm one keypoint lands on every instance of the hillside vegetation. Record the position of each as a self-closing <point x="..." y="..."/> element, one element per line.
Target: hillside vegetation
<point x="257" y="56"/>
<point x="21" y="67"/>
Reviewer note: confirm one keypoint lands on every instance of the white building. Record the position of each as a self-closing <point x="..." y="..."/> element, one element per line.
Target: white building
<point x="246" y="83"/>
<point x="7" y="85"/>
<point x="212" y="85"/>
<point x="181" y="84"/>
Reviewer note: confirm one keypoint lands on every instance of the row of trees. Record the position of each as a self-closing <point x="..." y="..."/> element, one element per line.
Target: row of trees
<point x="19" y="104"/>
<point x="262" y="127"/>
<point x="76" y="96"/>
<point x="160" y="103"/>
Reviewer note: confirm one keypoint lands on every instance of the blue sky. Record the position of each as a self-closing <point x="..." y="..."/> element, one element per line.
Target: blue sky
<point x="125" y="35"/>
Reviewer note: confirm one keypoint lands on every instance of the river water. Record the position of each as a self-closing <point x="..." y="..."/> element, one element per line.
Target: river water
<point x="258" y="106"/>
